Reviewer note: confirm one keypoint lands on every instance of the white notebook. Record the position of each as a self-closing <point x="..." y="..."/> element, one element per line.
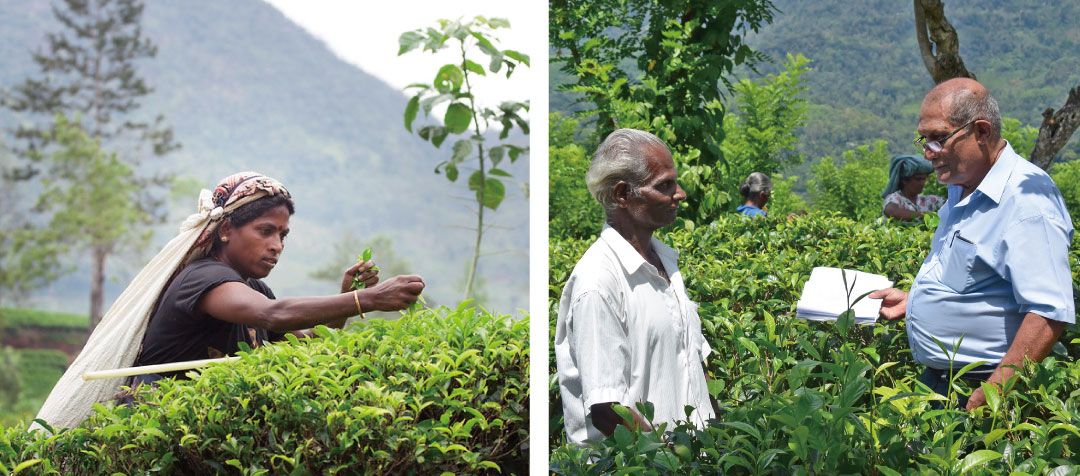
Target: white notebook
<point x="824" y="297"/>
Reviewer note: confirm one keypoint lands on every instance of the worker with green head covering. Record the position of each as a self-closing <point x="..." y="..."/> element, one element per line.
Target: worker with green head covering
<point x="907" y="177"/>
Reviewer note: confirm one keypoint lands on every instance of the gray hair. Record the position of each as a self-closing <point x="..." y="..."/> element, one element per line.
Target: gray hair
<point x="757" y="182"/>
<point x="966" y="106"/>
<point x="621" y="157"/>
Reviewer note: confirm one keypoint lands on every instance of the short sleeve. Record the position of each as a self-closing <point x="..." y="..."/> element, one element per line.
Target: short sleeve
<point x="931" y="203"/>
<point x="892" y="198"/>
<point x="197" y="281"/>
<point x="1035" y="261"/>
<point x="599" y="340"/>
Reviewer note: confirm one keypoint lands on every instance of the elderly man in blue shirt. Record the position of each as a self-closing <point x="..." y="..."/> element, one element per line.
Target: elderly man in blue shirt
<point x="996" y="287"/>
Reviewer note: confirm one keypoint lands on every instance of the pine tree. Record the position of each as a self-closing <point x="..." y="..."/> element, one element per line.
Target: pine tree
<point x="87" y="71"/>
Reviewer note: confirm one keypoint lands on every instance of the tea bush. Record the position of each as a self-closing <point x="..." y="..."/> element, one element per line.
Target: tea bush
<point x="821" y="398"/>
<point x="438" y="390"/>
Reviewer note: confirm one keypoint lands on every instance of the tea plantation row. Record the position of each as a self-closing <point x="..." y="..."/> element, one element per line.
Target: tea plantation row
<point x="820" y="398"/>
<point x="438" y="390"/>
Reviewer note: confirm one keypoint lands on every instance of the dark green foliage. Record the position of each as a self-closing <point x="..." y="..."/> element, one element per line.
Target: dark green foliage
<point x="660" y="67"/>
<point x="10" y="380"/>
<point x="869" y="80"/>
<point x="809" y="398"/>
<point x="571" y="210"/>
<point x="1067" y="177"/>
<point x="12" y="318"/>
<point x="437" y="390"/>
<point x="853" y="185"/>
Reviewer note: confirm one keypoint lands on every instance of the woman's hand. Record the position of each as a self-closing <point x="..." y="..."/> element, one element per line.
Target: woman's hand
<point x="369" y="275"/>
<point x="394" y="294"/>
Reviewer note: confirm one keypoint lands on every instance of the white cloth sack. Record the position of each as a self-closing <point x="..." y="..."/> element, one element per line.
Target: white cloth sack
<point x="117" y="339"/>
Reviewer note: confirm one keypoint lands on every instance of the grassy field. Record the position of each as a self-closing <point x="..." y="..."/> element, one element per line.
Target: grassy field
<point x="11" y="318"/>
<point x="39" y="369"/>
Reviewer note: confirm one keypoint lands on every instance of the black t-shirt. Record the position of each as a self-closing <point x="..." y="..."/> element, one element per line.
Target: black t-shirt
<point x="179" y="331"/>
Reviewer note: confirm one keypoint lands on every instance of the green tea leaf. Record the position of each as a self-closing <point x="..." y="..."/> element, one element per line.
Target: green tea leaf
<point x="458" y="118"/>
<point x="410" y="112"/>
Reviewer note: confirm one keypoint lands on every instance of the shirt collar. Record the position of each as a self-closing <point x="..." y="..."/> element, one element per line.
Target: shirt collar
<point x="628" y="257"/>
<point x="993" y="184"/>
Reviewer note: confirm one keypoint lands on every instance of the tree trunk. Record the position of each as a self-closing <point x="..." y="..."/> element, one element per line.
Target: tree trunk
<point x="1056" y="129"/>
<point x="97" y="284"/>
<point x="938" y="42"/>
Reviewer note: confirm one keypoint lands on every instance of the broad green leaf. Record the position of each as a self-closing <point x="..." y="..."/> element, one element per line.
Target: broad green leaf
<point x="458" y="117"/>
<point x="462" y="149"/>
<point x="439" y="136"/>
<point x="449" y="79"/>
<point x="25" y="464"/>
<point x="887" y="471"/>
<point x="474" y="67"/>
<point x="496" y="154"/>
<point x="521" y="57"/>
<point x="410" y="112"/>
<point x="745" y="427"/>
<point x="499" y="173"/>
<point x="493" y="190"/>
<point x="409" y="41"/>
<point x="994" y="435"/>
<point x="451" y="172"/>
<point x="977" y="459"/>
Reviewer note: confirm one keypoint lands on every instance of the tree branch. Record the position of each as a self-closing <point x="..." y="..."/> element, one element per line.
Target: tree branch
<point x="938" y="42"/>
<point x="1056" y="129"/>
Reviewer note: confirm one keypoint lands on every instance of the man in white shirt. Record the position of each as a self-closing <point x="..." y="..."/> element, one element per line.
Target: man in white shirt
<point x="626" y="331"/>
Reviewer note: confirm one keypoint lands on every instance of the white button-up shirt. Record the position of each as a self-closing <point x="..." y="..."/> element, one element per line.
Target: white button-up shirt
<point x="625" y="334"/>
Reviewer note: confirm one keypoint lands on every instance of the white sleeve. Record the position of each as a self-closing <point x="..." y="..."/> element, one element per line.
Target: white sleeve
<point x="599" y="339"/>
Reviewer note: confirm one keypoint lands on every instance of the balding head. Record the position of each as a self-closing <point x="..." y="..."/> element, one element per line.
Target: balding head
<point x="965" y="100"/>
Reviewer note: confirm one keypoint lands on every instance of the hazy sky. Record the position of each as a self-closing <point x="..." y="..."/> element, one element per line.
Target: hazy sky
<point x="365" y="33"/>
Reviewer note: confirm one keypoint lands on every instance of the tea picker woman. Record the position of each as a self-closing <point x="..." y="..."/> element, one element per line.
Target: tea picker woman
<point x="202" y="295"/>
<point x="755" y="191"/>
<point x="907" y="178"/>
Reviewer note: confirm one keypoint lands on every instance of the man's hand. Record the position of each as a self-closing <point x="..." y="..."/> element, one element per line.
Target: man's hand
<point x="893" y="303"/>
<point x="1033" y="341"/>
<point x="977" y="399"/>
<point x="605" y="419"/>
<point x="394" y="294"/>
<point x="367" y="272"/>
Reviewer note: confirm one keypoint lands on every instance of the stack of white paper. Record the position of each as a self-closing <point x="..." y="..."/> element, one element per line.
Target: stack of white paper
<point x="824" y="297"/>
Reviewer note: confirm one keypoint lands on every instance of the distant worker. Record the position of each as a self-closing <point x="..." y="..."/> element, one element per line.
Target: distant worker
<point x="755" y="191"/>
<point x="907" y="178"/>
<point x="626" y="332"/>
<point x="996" y="287"/>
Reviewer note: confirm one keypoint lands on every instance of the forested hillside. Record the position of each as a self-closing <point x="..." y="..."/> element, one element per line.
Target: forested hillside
<point x="246" y="89"/>
<point x="867" y="79"/>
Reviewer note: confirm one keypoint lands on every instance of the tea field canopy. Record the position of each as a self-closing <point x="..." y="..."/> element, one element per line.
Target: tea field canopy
<point x="13" y="318"/>
<point x="437" y="390"/>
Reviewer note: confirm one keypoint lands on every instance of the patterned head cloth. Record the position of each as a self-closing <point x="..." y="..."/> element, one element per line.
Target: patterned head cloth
<point x="902" y="167"/>
<point x="231" y="193"/>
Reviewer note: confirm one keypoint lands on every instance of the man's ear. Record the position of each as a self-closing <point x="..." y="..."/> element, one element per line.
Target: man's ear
<point x="982" y="131"/>
<point x="621" y="193"/>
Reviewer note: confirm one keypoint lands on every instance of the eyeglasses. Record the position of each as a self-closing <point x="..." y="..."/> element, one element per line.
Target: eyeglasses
<point x="938" y="145"/>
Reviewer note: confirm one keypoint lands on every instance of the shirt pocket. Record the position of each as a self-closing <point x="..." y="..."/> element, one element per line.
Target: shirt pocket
<point x="956" y="271"/>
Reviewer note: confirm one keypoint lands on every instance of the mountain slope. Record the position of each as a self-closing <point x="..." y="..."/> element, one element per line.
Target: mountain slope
<point x="246" y="89"/>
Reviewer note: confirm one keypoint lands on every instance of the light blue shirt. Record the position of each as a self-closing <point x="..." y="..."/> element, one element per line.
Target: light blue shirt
<point x="997" y="254"/>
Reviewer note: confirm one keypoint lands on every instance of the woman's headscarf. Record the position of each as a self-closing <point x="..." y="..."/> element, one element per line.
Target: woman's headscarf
<point x="902" y="167"/>
<point x="116" y="340"/>
<point x="231" y="193"/>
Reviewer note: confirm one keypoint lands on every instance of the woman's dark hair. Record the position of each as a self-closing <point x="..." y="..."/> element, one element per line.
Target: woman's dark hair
<point x="248" y="212"/>
<point x="756" y="183"/>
